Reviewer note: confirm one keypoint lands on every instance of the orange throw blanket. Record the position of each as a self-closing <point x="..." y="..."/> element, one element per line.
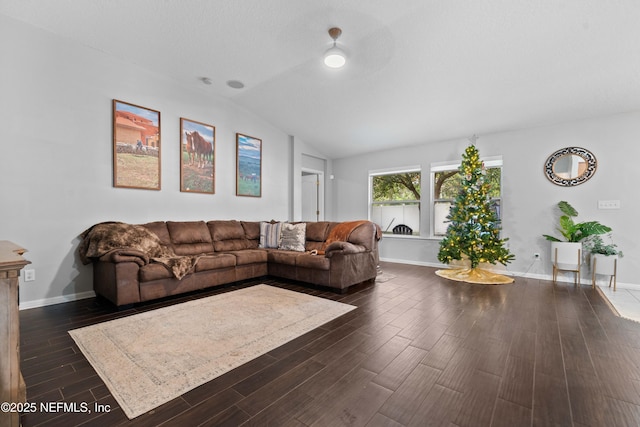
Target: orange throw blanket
<point x="341" y="233"/>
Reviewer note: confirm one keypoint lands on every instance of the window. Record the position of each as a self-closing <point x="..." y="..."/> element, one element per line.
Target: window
<point x="446" y="185"/>
<point x="395" y="200"/>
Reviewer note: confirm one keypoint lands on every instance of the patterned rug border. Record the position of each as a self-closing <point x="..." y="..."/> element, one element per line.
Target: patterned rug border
<point x="139" y="388"/>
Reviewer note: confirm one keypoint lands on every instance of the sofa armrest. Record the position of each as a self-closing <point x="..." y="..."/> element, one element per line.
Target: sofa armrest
<point x="117" y="281"/>
<point x="366" y="235"/>
<point x="343" y="248"/>
<point x="125" y="255"/>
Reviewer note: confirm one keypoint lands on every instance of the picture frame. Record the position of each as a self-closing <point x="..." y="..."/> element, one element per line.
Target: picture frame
<point x="197" y="157"/>
<point x="248" y="166"/>
<point x="136" y="146"/>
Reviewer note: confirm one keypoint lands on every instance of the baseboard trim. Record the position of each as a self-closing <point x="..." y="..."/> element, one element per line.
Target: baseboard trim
<point x="56" y="300"/>
<point x="421" y="263"/>
<point x="91" y="294"/>
<point x="548" y="277"/>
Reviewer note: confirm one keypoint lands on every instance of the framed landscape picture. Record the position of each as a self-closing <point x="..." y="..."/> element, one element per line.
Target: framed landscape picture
<point x="136" y="146"/>
<point x="249" y="166"/>
<point x="197" y="157"/>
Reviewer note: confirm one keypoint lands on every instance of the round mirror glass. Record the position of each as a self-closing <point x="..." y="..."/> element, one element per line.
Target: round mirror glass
<point x="570" y="166"/>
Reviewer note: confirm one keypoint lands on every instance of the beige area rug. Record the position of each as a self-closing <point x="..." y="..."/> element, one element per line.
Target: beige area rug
<point x="151" y="358"/>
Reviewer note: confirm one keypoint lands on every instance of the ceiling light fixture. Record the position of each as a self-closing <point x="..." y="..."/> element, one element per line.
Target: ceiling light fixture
<point x="335" y="57"/>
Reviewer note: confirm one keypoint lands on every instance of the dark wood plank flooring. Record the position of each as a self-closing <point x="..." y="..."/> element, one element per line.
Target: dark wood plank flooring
<point x="418" y="351"/>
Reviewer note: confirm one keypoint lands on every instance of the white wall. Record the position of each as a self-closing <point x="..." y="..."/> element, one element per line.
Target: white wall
<point x="56" y="165"/>
<point x="529" y="199"/>
<point x="56" y="156"/>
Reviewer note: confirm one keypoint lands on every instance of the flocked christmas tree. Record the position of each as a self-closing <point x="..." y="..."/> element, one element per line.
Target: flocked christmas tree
<point x="474" y="230"/>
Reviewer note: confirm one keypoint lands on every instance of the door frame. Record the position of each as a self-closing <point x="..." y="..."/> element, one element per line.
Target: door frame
<point x="321" y="190"/>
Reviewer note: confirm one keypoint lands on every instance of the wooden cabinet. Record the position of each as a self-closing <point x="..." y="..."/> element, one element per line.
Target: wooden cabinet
<point x="12" y="387"/>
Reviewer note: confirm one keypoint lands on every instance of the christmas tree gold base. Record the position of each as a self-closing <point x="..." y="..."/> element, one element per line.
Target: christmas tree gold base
<point x="475" y="275"/>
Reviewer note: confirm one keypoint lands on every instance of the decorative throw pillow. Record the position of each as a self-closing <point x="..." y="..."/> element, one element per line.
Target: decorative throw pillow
<point x="292" y="237"/>
<point x="270" y="234"/>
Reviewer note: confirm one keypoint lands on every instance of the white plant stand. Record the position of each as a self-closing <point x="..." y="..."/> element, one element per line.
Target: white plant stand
<point x="606" y="265"/>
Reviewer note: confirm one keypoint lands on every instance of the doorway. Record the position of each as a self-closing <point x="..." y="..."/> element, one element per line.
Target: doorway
<point x="312" y="195"/>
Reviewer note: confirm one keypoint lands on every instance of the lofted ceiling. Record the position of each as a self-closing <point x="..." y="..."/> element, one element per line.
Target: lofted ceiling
<point x="418" y="71"/>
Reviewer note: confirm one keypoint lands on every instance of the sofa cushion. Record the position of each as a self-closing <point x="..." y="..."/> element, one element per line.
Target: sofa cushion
<point x="214" y="262"/>
<point x="226" y="230"/>
<point x="190" y="237"/>
<point x="154" y="271"/>
<point x="251" y="230"/>
<point x="231" y="245"/>
<point x="270" y="234"/>
<point x="317" y="231"/>
<point x="250" y="256"/>
<point x="282" y="257"/>
<point x="292" y="237"/>
<point x="229" y="236"/>
<point x="252" y="233"/>
<point x="188" y="232"/>
<point x="159" y="228"/>
<point x="317" y="262"/>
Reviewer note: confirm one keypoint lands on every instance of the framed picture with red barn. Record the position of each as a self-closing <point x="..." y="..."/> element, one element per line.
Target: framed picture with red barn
<point x="249" y="166"/>
<point x="197" y="157"/>
<point x="136" y="146"/>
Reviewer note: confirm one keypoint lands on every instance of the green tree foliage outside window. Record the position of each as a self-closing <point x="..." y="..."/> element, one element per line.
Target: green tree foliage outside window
<point x="396" y="187"/>
<point x="395" y="200"/>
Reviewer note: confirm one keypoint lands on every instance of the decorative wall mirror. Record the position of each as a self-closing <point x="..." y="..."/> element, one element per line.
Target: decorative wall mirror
<point x="570" y="166"/>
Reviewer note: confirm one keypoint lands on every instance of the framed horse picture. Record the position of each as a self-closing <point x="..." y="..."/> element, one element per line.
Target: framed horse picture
<point x="197" y="157"/>
<point x="249" y="166"/>
<point x="136" y="146"/>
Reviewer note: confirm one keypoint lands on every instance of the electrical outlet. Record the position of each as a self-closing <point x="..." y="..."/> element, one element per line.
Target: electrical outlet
<point x="536" y="255"/>
<point x="29" y="275"/>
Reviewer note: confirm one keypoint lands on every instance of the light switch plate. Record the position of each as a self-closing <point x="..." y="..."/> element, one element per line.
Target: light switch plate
<point x="608" y="204"/>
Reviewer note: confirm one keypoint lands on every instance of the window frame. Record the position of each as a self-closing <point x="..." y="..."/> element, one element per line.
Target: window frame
<point x="489" y="163"/>
<point x="396" y="171"/>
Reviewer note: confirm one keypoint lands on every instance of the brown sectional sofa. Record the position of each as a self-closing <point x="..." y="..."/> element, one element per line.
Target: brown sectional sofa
<point x="226" y="251"/>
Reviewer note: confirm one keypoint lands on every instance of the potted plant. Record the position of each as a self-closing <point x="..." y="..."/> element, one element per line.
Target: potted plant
<point x="596" y="246"/>
<point x="575" y="232"/>
<point x="604" y="257"/>
<point x="566" y="254"/>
